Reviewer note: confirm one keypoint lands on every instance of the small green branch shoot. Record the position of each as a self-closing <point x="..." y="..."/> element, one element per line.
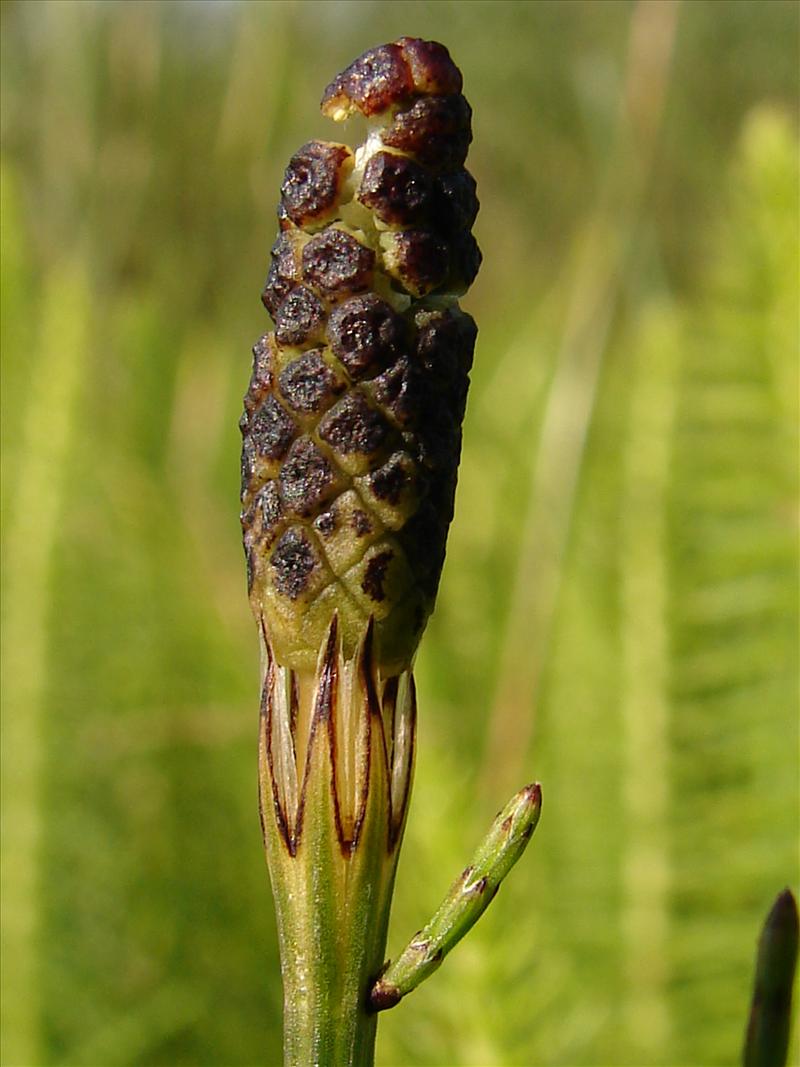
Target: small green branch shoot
<point x="767" y="1038"/>
<point x="468" y="898"/>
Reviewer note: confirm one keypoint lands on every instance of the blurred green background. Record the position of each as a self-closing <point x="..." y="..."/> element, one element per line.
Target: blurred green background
<point x="618" y="613"/>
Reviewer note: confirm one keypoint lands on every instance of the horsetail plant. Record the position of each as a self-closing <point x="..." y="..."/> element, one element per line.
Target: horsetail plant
<point x="351" y="441"/>
<point x="766" y="1042"/>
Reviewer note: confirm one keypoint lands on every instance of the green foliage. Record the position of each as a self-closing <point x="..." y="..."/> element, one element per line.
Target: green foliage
<point x="618" y="612"/>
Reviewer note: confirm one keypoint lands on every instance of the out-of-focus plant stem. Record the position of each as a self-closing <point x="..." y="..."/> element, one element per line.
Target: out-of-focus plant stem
<point x="31" y="530"/>
<point x="767" y="1037"/>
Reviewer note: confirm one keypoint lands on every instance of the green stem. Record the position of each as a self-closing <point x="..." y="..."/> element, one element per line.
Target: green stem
<point x="333" y="799"/>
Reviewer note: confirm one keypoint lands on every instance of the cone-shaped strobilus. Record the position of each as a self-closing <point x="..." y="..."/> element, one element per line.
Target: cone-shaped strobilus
<point x="352" y="435"/>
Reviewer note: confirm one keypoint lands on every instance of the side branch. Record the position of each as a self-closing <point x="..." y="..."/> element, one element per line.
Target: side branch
<point x="468" y="898"/>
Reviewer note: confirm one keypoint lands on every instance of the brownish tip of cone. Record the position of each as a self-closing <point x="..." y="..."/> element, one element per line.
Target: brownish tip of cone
<point x="389" y="75"/>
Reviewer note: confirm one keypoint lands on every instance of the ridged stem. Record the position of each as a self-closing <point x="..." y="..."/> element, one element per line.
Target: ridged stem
<point x="332" y="845"/>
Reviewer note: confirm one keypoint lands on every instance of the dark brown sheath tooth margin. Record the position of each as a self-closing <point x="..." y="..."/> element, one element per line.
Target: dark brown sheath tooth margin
<point x="352" y="422"/>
